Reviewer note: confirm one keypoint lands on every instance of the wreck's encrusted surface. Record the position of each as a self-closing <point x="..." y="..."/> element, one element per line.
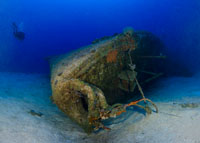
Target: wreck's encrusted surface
<point x="87" y="81"/>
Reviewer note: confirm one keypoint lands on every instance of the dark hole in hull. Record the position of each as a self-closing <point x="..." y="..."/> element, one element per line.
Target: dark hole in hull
<point x="84" y="103"/>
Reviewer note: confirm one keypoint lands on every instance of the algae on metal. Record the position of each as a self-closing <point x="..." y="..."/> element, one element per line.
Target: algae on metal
<point x="86" y="82"/>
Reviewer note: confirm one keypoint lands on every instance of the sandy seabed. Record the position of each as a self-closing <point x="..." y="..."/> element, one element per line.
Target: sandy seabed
<point x="175" y="123"/>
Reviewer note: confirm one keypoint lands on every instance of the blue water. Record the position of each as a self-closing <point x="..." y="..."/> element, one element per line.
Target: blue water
<point x="56" y="27"/>
<point x="60" y="26"/>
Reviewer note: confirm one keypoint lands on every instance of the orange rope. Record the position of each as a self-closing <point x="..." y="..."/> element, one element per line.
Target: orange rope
<point x="134" y="102"/>
<point x="120" y="112"/>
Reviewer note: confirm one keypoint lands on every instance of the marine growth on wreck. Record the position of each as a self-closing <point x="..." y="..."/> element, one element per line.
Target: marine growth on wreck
<point x="94" y="82"/>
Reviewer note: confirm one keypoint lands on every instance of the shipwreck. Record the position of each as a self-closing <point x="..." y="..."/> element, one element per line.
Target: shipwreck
<point x="94" y="82"/>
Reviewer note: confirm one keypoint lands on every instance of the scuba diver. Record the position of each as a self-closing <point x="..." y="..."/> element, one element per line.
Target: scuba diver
<point x="18" y="34"/>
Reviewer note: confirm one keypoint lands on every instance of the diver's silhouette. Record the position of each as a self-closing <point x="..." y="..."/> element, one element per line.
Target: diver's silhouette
<point x="18" y="34"/>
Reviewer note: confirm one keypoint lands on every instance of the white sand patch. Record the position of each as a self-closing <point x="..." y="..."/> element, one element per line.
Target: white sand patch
<point x="20" y="93"/>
